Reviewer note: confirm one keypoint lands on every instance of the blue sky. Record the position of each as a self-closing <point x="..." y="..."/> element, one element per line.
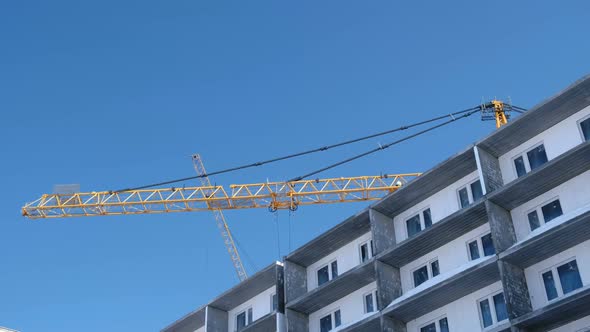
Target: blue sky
<point x="112" y="94"/>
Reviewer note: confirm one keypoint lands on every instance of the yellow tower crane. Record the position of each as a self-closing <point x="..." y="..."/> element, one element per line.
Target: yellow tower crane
<point x="228" y="239"/>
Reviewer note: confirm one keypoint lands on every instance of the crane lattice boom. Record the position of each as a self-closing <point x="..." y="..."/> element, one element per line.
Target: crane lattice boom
<point x="271" y="195"/>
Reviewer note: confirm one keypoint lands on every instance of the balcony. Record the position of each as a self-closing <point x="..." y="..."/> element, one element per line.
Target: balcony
<point x="553" y="173"/>
<point x="554" y="237"/>
<point x="369" y="322"/>
<point x="335" y="289"/>
<point x="565" y="310"/>
<point x="441" y="233"/>
<point x="444" y="289"/>
<point x="263" y="324"/>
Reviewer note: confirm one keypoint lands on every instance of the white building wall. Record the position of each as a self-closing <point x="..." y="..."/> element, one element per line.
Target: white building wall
<point x="201" y="329"/>
<point x="260" y="304"/>
<point x="348" y="257"/>
<point x="558" y="139"/>
<point x="441" y="204"/>
<point x="573" y="194"/>
<point x="351" y="308"/>
<point x="581" y="253"/>
<point x="450" y="256"/>
<point x="580" y="325"/>
<point x="462" y="314"/>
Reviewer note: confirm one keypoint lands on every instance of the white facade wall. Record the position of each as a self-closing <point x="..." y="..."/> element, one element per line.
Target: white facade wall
<point x="581" y="253"/>
<point x="450" y="256"/>
<point x="462" y="314"/>
<point x="260" y="304"/>
<point x="201" y="329"/>
<point x="348" y="257"/>
<point x="573" y="194"/>
<point x="351" y="308"/>
<point x="558" y="139"/>
<point x="580" y="325"/>
<point x="441" y="204"/>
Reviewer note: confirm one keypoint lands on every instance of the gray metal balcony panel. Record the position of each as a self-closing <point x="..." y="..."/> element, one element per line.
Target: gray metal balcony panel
<point x="429" y="183"/>
<point x="441" y="233"/>
<point x="336" y="289"/>
<point x="188" y="323"/>
<point x="550" y="242"/>
<point x="247" y="289"/>
<point x="553" y="173"/>
<point x="540" y="118"/>
<point x="263" y="324"/>
<point x="332" y="240"/>
<point x="568" y="309"/>
<point x="371" y="323"/>
<point x="446" y="291"/>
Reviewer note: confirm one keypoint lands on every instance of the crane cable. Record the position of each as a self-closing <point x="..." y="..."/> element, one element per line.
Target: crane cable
<point x="320" y="149"/>
<point x="382" y="147"/>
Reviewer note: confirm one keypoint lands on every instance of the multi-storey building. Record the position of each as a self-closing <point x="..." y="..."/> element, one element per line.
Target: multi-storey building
<point x="495" y="238"/>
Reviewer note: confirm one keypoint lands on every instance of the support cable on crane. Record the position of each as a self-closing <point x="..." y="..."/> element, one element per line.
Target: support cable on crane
<point x="385" y="146"/>
<point x="320" y="149"/>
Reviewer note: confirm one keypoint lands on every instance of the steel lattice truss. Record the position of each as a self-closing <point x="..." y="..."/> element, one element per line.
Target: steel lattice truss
<point x="271" y="195"/>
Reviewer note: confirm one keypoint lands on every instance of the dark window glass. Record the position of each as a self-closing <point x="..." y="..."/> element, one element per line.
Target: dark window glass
<point x="241" y="321"/>
<point x="569" y="275"/>
<point x="486" y="313"/>
<point x="337" y="318"/>
<point x="427" y="218"/>
<point x="549" y="285"/>
<point x="429" y="328"/>
<point x="534" y="220"/>
<point x="476" y="190"/>
<point x="488" y="245"/>
<point x="249" y="316"/>
<point x="464" y="197"/>
<point x="444" y="325"/>
<point x="326" y="323"/>
<point x="473" y="250"/>
<point x="585" y="126"/>
<point x="323" y="276"/>
<point x="364" y="253"/>
<point x="274" y="302"/>
<point x="372" y="249"/>
<point x="420" y="276"/>
<point x="435" y="268"/>
<point x="551" y="210"/>
<point x="537" y="156"/>
<point x="519" y="164"/>
<point x="413" y="225"/>
<point x="369" y="303"/>
<point x="500" y="306"/>
<point x="334" y="269"/>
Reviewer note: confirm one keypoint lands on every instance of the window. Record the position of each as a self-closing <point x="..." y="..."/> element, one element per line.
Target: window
<point x="544" y="214"/>
<point x="439" y="325"/>
<point x="273" y="302"/>
<point x="419" y="222"/>
<point x="243" y="319"/>
<point x="370" y="301"/>
<point x="530" y="160"/>
<point x="482" y="245"/>
<point x="327" y="273"/>
<point x="423" y="273"/>
<point x="585" y="129"/>
<point x="330" y="322"/>
<point x="569" y="279"/>
<point x="470" y="194"/>
<point x="492" y="310"/>
<point x="366" y="251"/>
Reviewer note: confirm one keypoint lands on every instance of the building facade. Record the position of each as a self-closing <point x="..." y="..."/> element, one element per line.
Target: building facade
<point x="495" y="238"/>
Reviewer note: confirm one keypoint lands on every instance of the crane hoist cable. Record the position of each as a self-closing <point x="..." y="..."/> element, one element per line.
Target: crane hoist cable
<point x="384" y="146"/>
<point x="294" y="155"/>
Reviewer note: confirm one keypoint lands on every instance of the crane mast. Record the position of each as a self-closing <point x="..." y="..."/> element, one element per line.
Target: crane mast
<point x="228" y="240"/>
